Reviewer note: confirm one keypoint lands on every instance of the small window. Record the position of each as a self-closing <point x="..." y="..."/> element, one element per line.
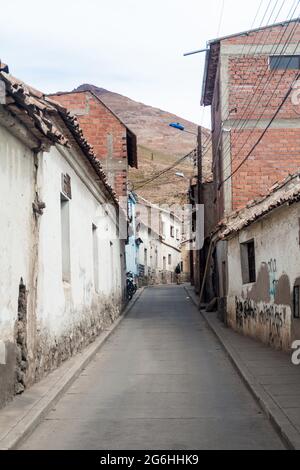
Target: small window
<point x="170" y="259"/>
<point x="297" y="302"/>
<point x="287" y="62"/>
<point x="248" y="262"/>
<point x="164" y="263"/>
<point x="65" y="238"/>
<point x="95" y="257"/>
<point x="172" y="231"/>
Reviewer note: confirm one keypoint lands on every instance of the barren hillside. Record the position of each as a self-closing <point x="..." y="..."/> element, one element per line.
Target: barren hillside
<point x="159" y="146"/>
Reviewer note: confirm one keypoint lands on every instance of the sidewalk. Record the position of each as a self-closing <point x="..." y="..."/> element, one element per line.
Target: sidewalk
<point x="269" y="374"/>
<point x="20" y="417"/>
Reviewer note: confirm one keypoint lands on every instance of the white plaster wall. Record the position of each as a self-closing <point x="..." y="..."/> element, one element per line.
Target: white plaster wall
<point x="276" y="239"/>
<point x="62" y="306"/>
<point x="171" y="245"/>
<point x="16" y="198"/>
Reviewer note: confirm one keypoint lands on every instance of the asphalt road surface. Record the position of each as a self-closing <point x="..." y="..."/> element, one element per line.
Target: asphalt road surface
<point x="161" y="381"/>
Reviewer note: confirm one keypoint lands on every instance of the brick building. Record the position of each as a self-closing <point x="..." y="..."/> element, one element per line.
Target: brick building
<point x="113" y="143"/>
<point x="246" y="78"/>
<point x="251" y="82"/>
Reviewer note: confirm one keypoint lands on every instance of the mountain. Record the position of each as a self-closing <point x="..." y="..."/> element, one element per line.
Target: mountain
<point x="159" y="146"/>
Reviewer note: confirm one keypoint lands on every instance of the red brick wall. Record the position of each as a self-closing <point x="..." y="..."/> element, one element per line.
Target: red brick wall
<point x="276" y="157"/>
<point x="278" y="154"/>
<point x="275" y="35"/>
<point x="97" y="122"/>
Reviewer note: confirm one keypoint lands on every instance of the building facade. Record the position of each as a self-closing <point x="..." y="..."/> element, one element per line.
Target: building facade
<point x="247" y="75"/>
<point x="250" y="84"/>
<point x="114" y="144"/>
<point x="60" y="227"/>
<point x="132" y="245"/>
<point x="263" y="283"/>
<point x="159" y="232"/>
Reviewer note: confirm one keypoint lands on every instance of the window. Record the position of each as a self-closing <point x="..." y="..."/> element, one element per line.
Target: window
<point x="248" y="262"/>
<point x="287" y="62"/>
<point x="156" y="258"/>
<point x="95" y="257"/>
<point x="172" y="232"/>
<point x="164" y="263"/>
<point x="170" y="259"/>
<point x="65" y="238"/>
<point x="297" y="302"/>
<point x="145" y="256"/>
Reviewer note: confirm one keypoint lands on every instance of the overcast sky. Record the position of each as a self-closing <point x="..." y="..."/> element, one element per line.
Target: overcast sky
<point x="133" y="47"/>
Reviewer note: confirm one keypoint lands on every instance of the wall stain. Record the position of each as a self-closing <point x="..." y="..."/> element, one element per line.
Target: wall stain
<point x="261" y="289"/>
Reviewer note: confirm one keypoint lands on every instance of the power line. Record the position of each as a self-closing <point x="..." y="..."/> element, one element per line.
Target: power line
<point x="263" y="134"/>
<point x="166" y="170"/>
<point x="260" y="79"/>
<point x="221" y="17"/>
<point x="266" y="32"/>
<point x="259" y="118"/>
<point x="238" y="123"/>
<point x="271" y="75"/>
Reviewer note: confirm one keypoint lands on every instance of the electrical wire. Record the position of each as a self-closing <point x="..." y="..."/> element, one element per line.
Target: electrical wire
<point x="270" y="77"/>
<point x="263" y="134"/>
<point x="166" y="170"/>
<point x="262" y="113"/>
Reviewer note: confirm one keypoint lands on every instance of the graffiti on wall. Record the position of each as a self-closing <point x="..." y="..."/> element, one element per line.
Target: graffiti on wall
<point x="269" y="318"/>
<point x="272" y="268"/>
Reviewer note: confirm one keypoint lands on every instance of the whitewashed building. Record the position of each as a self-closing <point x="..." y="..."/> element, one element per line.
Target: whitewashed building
<point x="62" y="265"/>
<point x="159" y="233"/>
<point x="260" y="272"/>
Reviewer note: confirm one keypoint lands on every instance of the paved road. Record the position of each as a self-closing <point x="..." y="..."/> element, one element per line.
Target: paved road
<point x="162" y="381"/>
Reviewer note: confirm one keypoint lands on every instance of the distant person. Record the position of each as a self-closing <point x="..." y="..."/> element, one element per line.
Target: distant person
<point x="177" y="274"/>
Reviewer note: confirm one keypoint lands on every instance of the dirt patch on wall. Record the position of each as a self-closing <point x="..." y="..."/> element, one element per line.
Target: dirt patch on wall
<point x="8" y="375"/>
<point x="21" y="341"/>
<point x="283" y="291"/>
<point x="260" y="292"/>
<point x="52" y="352"/>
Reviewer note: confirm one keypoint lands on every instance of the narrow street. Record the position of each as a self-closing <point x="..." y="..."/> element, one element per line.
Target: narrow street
<point x="162" y="381"/>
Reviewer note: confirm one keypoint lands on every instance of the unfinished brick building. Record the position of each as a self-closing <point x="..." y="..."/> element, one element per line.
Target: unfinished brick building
<point x="113" y="143"/>
<point x="247" y="75"/>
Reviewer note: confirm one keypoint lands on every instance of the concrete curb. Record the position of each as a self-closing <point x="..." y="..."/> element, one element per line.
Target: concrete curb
<point x="279" y="420"/>
<point x="20" y="420"/>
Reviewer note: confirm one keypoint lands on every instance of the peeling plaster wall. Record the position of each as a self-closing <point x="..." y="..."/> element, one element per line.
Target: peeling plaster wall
<point x="43" y="320"/>
<point x="71" y="315"/>
<point x="264" y="309"/>
<point x="17" y="175"/>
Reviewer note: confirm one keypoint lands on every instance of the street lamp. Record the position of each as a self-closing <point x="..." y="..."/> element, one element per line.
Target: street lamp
<point x="180" y="127"/>
<point x="180" y="175"/>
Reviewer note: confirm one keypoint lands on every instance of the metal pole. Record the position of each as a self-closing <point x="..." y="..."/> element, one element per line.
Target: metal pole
<point x="199" y="163"/>
<point x="199" y="201"/>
